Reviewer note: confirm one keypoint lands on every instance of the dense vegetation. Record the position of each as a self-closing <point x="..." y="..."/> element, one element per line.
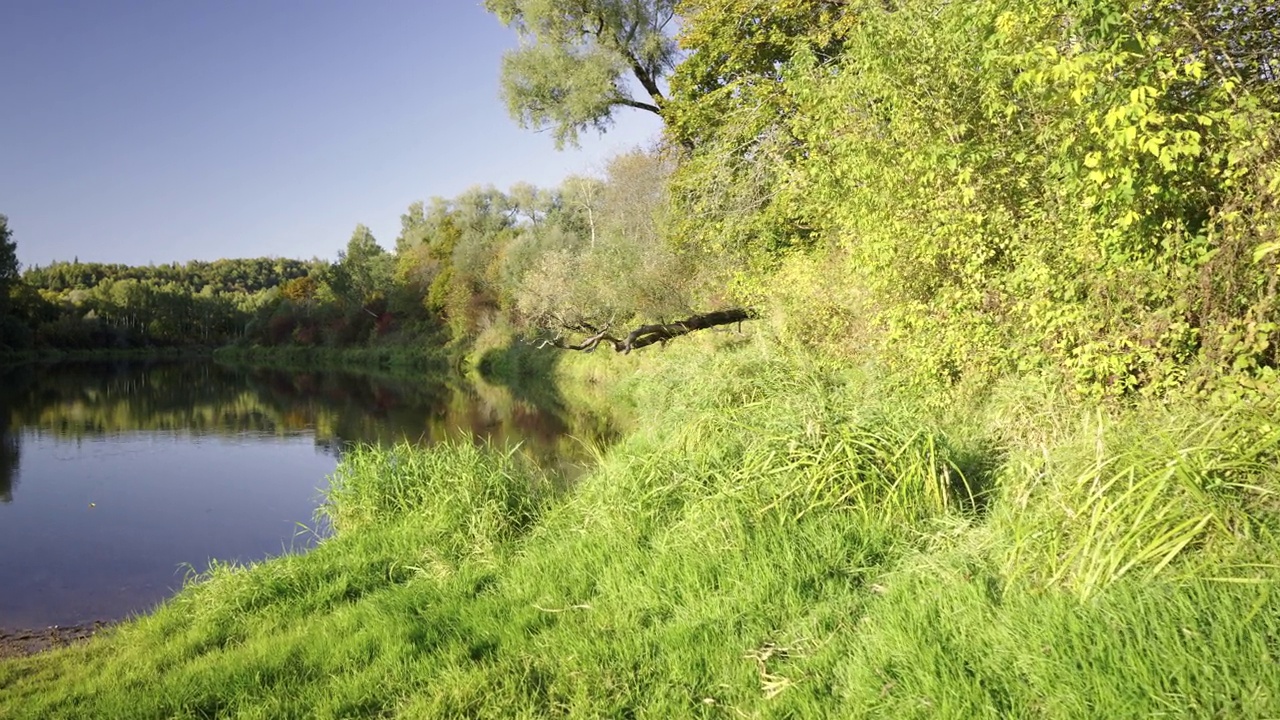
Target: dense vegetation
<point x="1002" y="442"/>
<point x="775" y="537"/>
<point x="962" y="192"/>
<point x="75" y="305"/>
<point x="982" y="188"/>
<point x="527" y="259"/>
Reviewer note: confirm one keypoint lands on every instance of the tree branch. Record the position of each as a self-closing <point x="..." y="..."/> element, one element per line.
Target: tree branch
<point x="639" y="105"/>
<point x="646" y="335"/>
<point x="587" y="345"/>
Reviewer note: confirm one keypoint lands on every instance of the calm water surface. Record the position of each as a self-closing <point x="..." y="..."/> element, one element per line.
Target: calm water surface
<point x="117" y="480"/>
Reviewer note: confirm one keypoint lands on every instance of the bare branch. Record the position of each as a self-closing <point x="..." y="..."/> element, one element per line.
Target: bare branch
<point x="646" y="335"/>
<point x="628" y="102"/>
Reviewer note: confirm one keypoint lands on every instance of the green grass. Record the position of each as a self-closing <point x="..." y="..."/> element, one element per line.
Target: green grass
<point x="1161" y="493"/>
<point x="773" y="538"/>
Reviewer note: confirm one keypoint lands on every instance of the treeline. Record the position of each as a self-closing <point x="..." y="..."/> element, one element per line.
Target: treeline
<point x="75" y="305"/>
<point x="195" y="277"/>
<point x="528" y="260"/>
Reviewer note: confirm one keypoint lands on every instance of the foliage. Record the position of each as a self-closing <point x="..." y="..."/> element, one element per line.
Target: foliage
<point x="13" y="330"/>
<point x="363" y="271"/>
<point x="8" y="255"/>
<point x="80" y="306"/>
<point x="572" y="68"/>
<point x="624" y="268"/>
<point x="730" y="104"/>
<point x="223" y="276"/>
<point x="1078" y="186"/>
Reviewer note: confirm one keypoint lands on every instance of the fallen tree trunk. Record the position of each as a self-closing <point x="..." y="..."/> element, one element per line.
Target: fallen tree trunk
<point x="649" y="334"/>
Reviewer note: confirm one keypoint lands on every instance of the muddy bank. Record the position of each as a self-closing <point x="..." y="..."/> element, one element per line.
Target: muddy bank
<point x="16" y="643"/>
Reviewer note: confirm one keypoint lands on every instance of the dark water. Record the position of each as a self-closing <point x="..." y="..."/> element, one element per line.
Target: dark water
<point x="116" y="480"/>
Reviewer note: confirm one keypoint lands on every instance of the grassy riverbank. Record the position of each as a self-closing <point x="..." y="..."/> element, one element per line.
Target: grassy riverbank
<point x="775" y="537"/>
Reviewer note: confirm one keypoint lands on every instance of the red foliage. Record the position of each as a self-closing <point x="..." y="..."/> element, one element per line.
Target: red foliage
<point x="280" y="327"/>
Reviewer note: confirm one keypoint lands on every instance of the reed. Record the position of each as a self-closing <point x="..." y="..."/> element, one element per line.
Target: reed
<point x="1165" y="491"/>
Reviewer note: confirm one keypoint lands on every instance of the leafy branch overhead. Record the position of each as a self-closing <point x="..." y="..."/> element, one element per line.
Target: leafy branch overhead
<point x="579" y="61"/>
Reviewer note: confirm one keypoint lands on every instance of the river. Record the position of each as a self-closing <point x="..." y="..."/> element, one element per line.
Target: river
<point x="118" y="481"/>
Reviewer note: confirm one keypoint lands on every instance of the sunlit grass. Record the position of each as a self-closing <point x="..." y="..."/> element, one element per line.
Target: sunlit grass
<point x="773" y="538"/>
<point x="1166" y="491"/>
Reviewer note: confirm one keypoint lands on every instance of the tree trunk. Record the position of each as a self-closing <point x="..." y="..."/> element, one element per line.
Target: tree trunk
<point x="649" y="334"/>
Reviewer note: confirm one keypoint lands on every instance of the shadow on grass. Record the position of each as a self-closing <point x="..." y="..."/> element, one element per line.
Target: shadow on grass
<point x="979" y="465"/>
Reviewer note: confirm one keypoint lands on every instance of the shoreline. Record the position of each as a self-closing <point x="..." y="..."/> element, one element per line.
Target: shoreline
<point x="22" y="642"/>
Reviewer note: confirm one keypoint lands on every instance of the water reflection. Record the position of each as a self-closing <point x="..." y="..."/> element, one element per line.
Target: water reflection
<point x="9" y="450"/>
<point x="130" y="471"/>
<point x="77" y="400"/>
<point x="12" y="381"/>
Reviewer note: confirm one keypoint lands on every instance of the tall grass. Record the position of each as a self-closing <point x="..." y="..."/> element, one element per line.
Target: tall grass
<point x="453" y="486"/>
<point x="1152" y="493"/>
<point x="773" y="538"/>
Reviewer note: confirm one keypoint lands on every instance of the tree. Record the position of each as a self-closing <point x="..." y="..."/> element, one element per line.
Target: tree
<point x="583" y="194"/>
<point x="528" y="202"/>
<point x="13" y="330"/>
<point x="737" y="52"/>
<point x="9" y="266"/>
<point x="603" y="261"/>
<point x="729" y="100"/>
<point x="363" y="270"/>
<point x="576" y="59"/>
<point x="301" y="292"/>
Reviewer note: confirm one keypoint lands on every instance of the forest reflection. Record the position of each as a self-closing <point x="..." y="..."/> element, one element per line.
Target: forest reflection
<point x="80" y="400"/>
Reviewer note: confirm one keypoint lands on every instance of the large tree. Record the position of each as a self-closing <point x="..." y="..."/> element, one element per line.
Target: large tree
<point x="362" y="274"/>
<point x="577" y="61"/>
<point x="729" y="99"/>
<point x="8" y="259"/>
<point x="10" y="325"/>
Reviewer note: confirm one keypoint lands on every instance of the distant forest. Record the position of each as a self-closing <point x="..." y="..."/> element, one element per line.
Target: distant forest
<point x="529" y="259"/>
<point x="75" y="305"/>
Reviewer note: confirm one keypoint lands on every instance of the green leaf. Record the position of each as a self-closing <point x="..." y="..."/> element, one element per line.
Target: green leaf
<point x="1264" y="250"/>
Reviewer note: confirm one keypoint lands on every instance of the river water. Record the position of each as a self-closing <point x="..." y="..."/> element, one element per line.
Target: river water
<point x="119" y="480"/>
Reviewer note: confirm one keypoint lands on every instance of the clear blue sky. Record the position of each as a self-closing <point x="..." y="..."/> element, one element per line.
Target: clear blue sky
<point x="141" y="131"/>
